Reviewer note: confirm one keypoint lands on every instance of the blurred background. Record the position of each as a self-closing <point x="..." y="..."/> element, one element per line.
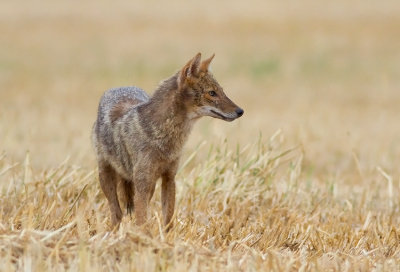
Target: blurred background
<point x="327" y="73"/>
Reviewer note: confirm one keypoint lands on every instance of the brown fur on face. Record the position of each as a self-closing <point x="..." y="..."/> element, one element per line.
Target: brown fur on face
<point x="204" y="94"/>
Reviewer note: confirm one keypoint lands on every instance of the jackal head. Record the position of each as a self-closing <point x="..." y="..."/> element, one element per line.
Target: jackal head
<point x="202" y="94"/>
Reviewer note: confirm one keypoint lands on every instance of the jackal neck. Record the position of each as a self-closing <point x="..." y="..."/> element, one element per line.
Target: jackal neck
<point x="166" y="116"/>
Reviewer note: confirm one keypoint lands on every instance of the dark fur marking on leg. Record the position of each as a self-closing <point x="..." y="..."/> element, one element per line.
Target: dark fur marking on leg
<point x="121" y="108"/>
<point x="129" y="195"/>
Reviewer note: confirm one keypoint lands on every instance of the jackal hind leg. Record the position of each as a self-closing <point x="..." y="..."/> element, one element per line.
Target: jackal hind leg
<point x="108" y="182"/>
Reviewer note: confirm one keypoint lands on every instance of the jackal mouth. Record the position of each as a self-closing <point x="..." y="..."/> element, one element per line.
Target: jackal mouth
<point x="225" y="118"/>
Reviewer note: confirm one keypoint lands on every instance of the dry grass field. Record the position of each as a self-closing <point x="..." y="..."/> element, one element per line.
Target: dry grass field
<point x="307" y="180"/>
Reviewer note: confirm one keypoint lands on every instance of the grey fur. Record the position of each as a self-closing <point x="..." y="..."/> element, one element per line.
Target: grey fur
<point x="109" y="144"/>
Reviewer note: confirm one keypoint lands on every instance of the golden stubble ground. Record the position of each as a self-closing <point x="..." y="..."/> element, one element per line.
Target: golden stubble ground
<point x="308" y="179"/>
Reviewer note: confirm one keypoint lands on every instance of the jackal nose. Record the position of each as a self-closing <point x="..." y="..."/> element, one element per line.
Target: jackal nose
<point x="239" y="112"/>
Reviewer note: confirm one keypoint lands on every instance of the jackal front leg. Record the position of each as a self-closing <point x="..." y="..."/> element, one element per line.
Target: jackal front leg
<point x="168" y="195"/>
<point x="143" y="187"/>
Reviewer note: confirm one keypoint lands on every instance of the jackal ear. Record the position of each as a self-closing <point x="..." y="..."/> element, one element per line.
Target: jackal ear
<point x="191" y="69"/>
<point x="204" y="66"/>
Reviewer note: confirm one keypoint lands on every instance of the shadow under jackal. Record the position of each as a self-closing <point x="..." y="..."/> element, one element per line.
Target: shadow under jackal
<point x="139" y="139"/>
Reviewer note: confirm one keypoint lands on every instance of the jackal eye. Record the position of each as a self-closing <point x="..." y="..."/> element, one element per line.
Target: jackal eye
<point x="212" y="93"/>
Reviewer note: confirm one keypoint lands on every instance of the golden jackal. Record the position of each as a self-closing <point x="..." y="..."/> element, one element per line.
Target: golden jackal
<point x="139" y="139"/>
